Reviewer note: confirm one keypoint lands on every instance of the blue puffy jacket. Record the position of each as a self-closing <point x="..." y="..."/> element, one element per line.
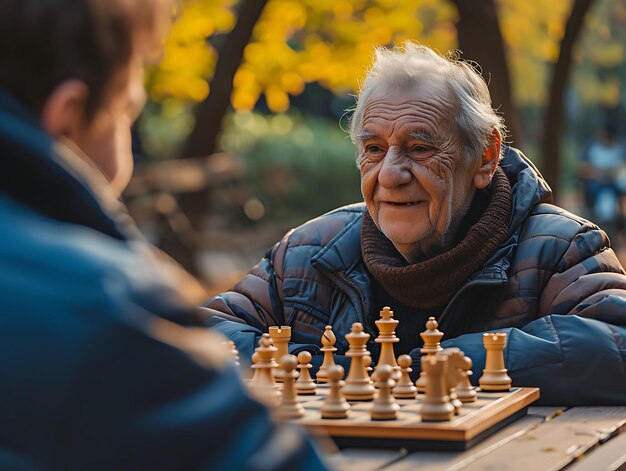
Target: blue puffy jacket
<point x="554" y="284"/>
<point x="96" y="370"/>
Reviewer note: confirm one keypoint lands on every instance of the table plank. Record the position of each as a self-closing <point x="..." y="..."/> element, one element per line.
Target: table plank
<point x="611" y="456"/>
<point x="447" y="460"/>
<point x="546" y="411"/>
<point x="547" y="438"/>
<point x="353" y="459"/>
<point x="555" y="443"/>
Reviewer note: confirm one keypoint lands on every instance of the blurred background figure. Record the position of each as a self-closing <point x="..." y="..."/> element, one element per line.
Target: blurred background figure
<point x="604" y="181"/>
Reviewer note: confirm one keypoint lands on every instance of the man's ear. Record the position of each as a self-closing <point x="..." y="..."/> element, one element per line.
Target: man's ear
<point x="63" y="112"/>
<point x="489" y="162"/>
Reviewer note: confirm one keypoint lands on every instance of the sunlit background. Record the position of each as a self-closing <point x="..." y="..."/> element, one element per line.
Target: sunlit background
<point x="245" y="136"/>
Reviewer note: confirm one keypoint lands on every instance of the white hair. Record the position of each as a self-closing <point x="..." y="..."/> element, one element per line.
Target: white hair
<point x="406" y="65"/>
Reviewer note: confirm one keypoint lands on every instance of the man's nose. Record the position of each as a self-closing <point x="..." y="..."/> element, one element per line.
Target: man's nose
<point x="395" y="170"/>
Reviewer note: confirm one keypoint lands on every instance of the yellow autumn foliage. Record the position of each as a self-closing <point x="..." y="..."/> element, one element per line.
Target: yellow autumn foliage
<point x="296" y="42"/>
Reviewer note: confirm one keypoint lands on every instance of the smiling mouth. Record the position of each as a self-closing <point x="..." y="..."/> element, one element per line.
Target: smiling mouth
<point x="411" y="203"/>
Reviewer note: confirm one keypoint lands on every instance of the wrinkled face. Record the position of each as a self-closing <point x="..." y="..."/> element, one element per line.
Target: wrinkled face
<point x="107" y="139"/>
<point x="415" y="179"/>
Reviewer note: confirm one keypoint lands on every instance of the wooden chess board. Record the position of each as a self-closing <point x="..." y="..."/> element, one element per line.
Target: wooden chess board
<point x="476" y="421"/>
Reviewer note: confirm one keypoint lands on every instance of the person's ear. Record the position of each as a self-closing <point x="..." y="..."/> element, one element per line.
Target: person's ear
<point x="489" y="162"/>
<point x="63" y="113"/>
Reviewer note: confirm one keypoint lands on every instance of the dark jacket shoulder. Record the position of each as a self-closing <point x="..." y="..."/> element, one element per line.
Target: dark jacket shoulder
<point x="325" y="228"/>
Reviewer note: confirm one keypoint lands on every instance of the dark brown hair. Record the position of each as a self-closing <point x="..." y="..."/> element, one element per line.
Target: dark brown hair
<point x="44" y="42"/>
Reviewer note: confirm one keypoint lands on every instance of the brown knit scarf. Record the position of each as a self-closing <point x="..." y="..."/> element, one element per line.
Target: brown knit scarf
<point x="432" y="283"/>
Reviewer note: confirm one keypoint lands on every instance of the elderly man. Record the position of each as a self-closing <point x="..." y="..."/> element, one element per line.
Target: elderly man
<point x="455" y="225"/>
<point x="101" y="368"/>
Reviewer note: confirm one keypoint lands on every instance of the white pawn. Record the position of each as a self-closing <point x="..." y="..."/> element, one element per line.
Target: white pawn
<point x="385" y="406"/>
<point x="405" y="389"/>
<point x="431" y="337"/>
<point x="335" y="405"/>
<point x="289" y="408"/>
<point x="367" y="363"/>
<point x="305" y="384"/>
<point x="464" y="390"/>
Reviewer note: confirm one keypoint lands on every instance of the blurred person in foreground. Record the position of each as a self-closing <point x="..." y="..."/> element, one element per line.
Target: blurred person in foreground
<point x="454" y="225"/>
<point x="101" y="366"/>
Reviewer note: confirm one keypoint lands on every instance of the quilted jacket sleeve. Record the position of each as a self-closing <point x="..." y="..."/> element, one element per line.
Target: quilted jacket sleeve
<point x="254" y="304"/>
<point x="588" y="280"/>
<point x="255" y="300"/>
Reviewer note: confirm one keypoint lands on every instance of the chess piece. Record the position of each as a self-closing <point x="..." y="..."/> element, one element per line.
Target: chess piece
<point x="234" y="352"/>
<point x="289" y="407"/>
<point x="385" y="406"/>
<point x="464" y="389"/>
<point x="495" y="377"/>
<point x="405" y="389"/>
<point x="367" y="363"/>
<point x="335" y="405"/>
<point x="453" y="374"/>
<point x="305" y="384"/>
<point x="436" y="404"/>
<point x="280" y="339"/>
<point x="255" y="360"/>
<point x="328" y="342"/>
<point x="431" y="337"/>
<point x="358" y="385"/>
<point x="262" y="385"/>
<point x="386" y="338"/>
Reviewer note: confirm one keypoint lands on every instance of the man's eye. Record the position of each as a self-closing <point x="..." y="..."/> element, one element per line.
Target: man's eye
<point x="420" y="149"/>
<point x="373" y="149"/>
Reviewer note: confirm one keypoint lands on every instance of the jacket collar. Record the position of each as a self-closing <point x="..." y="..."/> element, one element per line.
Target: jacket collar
<point x="528" y="185"/>
<point x="528" y="189"/>
<point x="51" y="178"/>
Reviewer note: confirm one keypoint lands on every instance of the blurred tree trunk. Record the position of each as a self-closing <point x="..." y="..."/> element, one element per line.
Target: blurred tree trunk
<point x="553" y="124"/>
<point x="210" y="113"/>
<point x="480" y="39"/>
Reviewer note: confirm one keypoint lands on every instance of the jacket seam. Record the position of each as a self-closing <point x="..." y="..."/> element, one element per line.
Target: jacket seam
<point x="295" y="306"/>
<point x="535" y="268"/>
<point x="547" y="236"/>
<point x="557" y="213"/>
<point x="256" y="275"/>
<point x="556" y="334"/>
<point x="292" y="245"/>
<point x="616" y="338"/>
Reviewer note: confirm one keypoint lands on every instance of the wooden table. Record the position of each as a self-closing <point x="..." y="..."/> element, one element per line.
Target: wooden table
<point x="548" y="438"/>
